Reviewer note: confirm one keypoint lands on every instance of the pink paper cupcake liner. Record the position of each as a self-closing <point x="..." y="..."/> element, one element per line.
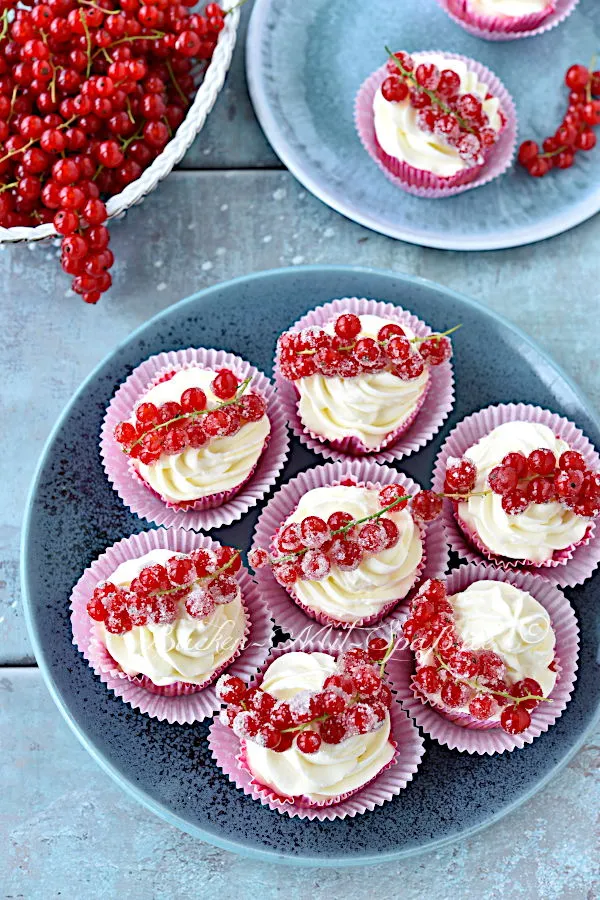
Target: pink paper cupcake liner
<point x="418" y="181"/>
<point x="135" y="492"/>
<point x="568" y="567"/>
<point x="228" y="753"/>
<point x="297" y="620"/>
<point x="193" y="703"/>
<point x="438" y="724"/>
<point x="423" y="424"/>
<point x="503" y="28"/>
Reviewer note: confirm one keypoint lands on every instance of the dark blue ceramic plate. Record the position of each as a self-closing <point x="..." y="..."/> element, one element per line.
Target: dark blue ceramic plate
<point x="73" y="515"/>
<point x="306" y="61"/>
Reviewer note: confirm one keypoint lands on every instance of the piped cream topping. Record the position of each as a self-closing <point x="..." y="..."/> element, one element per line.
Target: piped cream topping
<point x="221" y="465"/>
<point x="497" y="616"/>
<point x="188" y="650"/>
<point x="334" y="769"/>
<point x="400" y="136"/>
<point x="369" y="406"/>
<point x="380" y="578"/>
<point x="543" y="527"/>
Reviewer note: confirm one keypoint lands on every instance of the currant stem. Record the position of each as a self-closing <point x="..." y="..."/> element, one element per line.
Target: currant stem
<point x="208" y="577"/>
<point x="388" y="653"/>
<point x="88" y="41"/>
<point x="107" y="12"/>
<point x="484" y="689"/>
<point x="174" y="80"/>
<point x="466" y="496"/>
<point x="193" y="415"/>
<point x="413" y="340"/>
<point x="431" y="94"/>
<point x="344" y="530"/>
<point x="234" y="7"/>
<point x="4" y="24"/>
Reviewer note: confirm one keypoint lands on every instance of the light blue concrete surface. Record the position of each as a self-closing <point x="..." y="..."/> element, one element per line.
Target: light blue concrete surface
<point x="65" y="829"/>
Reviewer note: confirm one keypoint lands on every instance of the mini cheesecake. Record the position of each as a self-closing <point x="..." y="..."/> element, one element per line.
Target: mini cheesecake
<point x="317" y="729"/>
<point x="167" y="623"/>
<point x="484" y="657"/>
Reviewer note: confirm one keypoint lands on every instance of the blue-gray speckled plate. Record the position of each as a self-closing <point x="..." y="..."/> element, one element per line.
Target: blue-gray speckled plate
<point x="307" y="60"/>
<point x="73" y="514"/>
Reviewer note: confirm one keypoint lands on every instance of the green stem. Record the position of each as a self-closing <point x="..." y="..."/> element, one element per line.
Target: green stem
<point x="431" y="94"/>
<point x="175" y="82"/>
<point x="344" y="530"/>
<point x="235" y="6"/>
<point x="4" y="24"/>
<point x="107" y="12"/>
<point x="388" y="653"/>
<point x="210" y="577"/>
<point x="196" y="414"/>
<point x="436" y="336"/>
<point x="484" y="689"/>
<point x="88" y="41"/>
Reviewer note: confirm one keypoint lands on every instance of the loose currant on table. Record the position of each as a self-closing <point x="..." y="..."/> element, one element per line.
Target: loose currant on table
<point x="575" y="133"/>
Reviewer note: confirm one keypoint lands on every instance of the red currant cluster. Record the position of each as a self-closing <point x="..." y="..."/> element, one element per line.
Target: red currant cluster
<point x="172" y="427"/>
<point x="90" y="93"/>
<point x="204" y="579"/>
<point x="459" y="119"/>
<point x="574" y="133"/>
<point x="345" y="355"/>
<point x="354" y="700"/>
<point x="308" y="549"/>
<point x="451" y="675"/>
<point x="537" y="478"/>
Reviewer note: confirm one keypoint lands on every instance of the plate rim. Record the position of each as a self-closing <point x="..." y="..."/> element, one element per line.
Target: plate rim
<point x="159" y="809"/>
<point x="551" y="227"/>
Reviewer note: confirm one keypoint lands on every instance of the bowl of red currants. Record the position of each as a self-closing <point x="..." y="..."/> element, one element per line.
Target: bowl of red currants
<point x="99" y="100"/>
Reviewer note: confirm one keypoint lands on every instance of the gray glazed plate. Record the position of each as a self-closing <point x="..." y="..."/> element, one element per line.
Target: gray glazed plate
<point x="306" y="62"/>
<point x="73" y="515"/>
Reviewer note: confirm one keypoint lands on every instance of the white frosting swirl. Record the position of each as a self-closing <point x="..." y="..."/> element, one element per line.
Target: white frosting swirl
<point x="380" y="578"/>
<point x="511" y="8"/>
<point x="188" y="650"/>
<point x="221" y="465"/>
<point x="369" y="406"/>
<point x="495" y="615"/>
<point x="334" y="769"/>
<point x="543" y="527"/>
<point x="399" y="134"/>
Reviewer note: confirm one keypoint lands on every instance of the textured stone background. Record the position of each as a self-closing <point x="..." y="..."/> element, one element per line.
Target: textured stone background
<point x="239" y="212"/>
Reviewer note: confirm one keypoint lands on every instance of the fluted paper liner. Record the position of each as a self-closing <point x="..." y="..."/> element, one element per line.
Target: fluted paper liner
<point x="428" y="417"/>
<point x="568" y="567"/>
<point x="228" y="754"/>
<point x="201" y="701"/>
<point x="421" y="182"/>
<point x="507" y="28"/>
<point x="219" y="509"/>
<point x="400" y="669"/>
<point x="298" y="621"/>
